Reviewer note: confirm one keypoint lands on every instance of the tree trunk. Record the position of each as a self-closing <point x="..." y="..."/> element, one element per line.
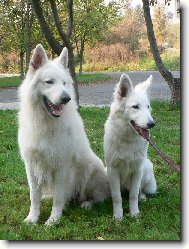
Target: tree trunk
<point x="54" y="44"/>
<point x="175" y="91"/>
<point x="72" y="72"/>
<point x="29" y="21"/>
<point x="81" y="58"/>
<point x="28" y="49"/>
<point x="173" y="83"/>
<point x="28" y="52"/>
<point x="80" y="65"/>
<point x="22" y="65"/>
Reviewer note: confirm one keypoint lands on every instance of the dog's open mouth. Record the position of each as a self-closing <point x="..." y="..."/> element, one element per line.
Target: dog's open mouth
<point x="52" y="109"/>
<point x="141" y="131"/>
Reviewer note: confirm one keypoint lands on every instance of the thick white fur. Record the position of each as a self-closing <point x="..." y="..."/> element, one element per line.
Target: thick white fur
<point x="56" y="151"/>
<point x="125" y="150"/>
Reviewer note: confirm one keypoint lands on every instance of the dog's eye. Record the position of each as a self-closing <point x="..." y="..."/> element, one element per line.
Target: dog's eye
<point x="135" y="106"/>
<point x="64" y="83"/>
<point x="49" y="82"/>
<point x="148" y="106"/>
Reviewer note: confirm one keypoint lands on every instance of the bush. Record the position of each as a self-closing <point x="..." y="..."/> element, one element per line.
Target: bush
<point x="9" y="63"/>
<point x="170" y="57"/>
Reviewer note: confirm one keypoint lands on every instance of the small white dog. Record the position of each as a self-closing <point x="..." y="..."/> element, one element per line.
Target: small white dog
<point x="125" y="145"/>
<point x="52" y="140"/>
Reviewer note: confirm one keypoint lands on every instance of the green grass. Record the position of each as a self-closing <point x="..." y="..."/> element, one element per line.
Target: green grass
<point x="14" y="81"/>
<point x="87" y="79"/>
<point x="159" y="218"/>
<point x="84" y="79"/>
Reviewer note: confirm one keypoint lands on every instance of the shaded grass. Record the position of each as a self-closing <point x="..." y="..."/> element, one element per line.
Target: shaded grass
<point x="159" y="217"/>
<point x="84" y="79"/>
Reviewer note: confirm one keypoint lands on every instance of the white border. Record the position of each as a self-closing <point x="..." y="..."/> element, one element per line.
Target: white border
<point x="185" y="232"/>
<point x="185" y="120"/>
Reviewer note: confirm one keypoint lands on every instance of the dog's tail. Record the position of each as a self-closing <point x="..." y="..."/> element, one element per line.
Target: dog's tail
<point x="148" y="183"/>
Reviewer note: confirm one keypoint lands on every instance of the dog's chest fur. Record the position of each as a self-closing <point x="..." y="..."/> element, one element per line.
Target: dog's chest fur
<point x="43" y="143"/>
<point x="125" y="147"/>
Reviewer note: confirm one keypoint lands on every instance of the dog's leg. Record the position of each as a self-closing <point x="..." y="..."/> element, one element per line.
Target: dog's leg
<point x="58" y="199"/>
<point x="35" y="198"/>
<point x="134" y="192"/>
<point x="114" y="181"/>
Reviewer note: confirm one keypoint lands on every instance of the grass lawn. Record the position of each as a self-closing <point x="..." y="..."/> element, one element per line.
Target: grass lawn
<point x="84" y="79"/>
<point x="14" y="81"/>
<point x="159" y="218"/>
<point x="88" y="79"/>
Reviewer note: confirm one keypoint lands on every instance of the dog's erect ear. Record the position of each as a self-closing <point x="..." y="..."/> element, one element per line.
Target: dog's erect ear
<point x="63" y="58"/>
<point x="125" y="86"/>
<point x="39" y="57"/>
<point x="144" y="86"/>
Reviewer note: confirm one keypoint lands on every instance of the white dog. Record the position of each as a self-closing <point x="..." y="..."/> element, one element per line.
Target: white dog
<point x="125" y="145"/>
<point x="52" y="140"/>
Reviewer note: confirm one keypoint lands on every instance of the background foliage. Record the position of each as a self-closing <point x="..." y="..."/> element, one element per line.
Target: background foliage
<point x="105" y="37"/>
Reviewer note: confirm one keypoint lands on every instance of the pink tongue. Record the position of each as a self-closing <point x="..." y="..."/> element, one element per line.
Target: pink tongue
<point x="57" y="108"/>
<point x="144" y="133"/>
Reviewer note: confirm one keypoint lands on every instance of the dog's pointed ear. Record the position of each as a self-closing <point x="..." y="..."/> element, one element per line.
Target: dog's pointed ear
<point x="144" y="86"/>
<point x="63" y="58"/>
<point x="39" y="57"/>
<point x="125" y="86"/>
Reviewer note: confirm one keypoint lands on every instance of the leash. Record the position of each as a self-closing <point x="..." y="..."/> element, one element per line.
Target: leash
<point x="164" y="157"/>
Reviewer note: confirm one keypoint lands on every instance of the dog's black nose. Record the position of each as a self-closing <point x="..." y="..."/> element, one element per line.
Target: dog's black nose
<point x="151" y="124"/>
<point x="65" y="98"/>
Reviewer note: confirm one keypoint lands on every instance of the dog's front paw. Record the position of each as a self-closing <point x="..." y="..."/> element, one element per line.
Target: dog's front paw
<point x="52" y="221"/>
<point x="142" y="197"/>
<point x="31" y="219"/>
<point x="134" y="214"/>
<point x="118" y="214"/>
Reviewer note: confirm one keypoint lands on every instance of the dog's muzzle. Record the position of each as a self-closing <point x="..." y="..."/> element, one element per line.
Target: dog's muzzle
<point x="143" y="132"/>
<point x="55" y="110"/>
<point x="151" y="124"/>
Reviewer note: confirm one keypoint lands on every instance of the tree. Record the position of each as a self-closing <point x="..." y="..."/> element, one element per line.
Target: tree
<point x="75" y="24"/>
<point x="28" y="27"/>
<point x="91" y="20"/>
<point x="129" y="30"/>
<point x="64" y="36"/>
<point x="17" y="20"/>
<point x="14" y="18"/>
<point x="173" y="83"/>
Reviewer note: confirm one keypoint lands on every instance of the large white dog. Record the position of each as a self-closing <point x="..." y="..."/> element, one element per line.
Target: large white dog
<point x="125" y="145"/>
<point x="52" y="140"/>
